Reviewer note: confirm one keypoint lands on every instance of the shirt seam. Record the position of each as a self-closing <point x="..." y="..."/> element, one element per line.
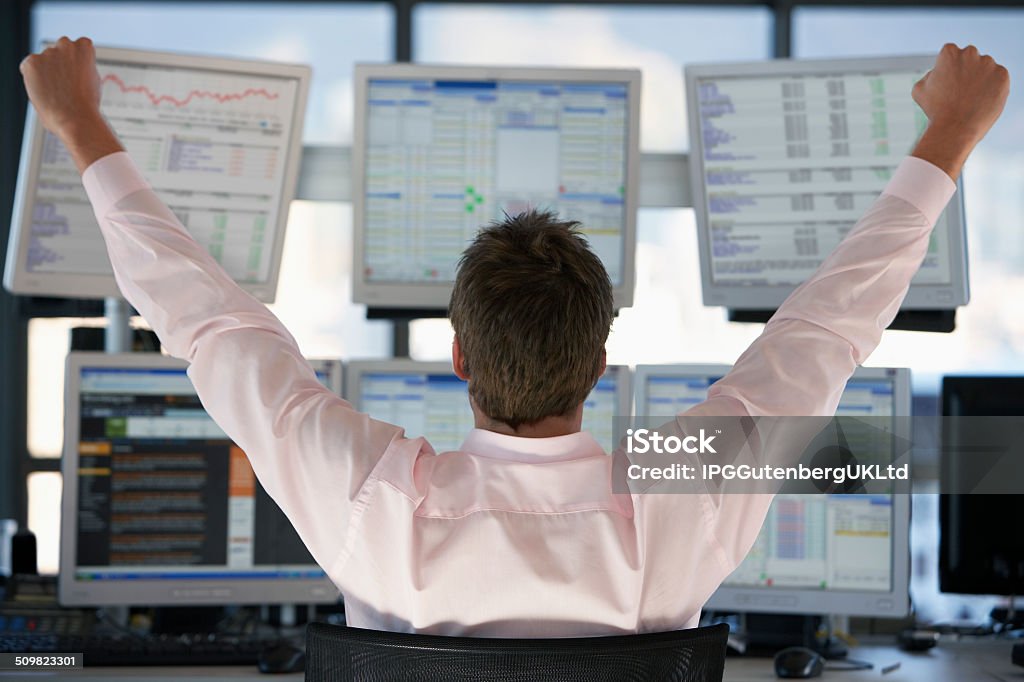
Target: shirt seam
<point x="478" y="510"/>
<point x="790" y="317"/>
<point x="933" y="174"/>
<point x="122" y="163"/>
<point x="359" y="506"/>
<point x="397" y="489"/>
<point x="712" y="535"/>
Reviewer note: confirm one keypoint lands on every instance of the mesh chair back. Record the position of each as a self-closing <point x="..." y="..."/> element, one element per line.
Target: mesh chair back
<point x="342" y="654"/>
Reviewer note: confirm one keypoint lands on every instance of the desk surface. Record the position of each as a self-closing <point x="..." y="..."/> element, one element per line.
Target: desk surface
<point x="966" y="659"/>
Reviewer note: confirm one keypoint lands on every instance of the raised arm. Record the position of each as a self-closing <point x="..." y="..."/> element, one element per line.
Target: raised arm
<point x="831" y="323"/>
<point x="800" y="364"/>
<point x="305" y="444"/>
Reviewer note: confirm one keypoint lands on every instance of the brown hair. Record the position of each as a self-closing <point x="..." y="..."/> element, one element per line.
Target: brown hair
<point x="532" y="308"/>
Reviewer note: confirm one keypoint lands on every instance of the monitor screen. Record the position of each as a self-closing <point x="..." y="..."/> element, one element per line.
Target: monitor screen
<point x="219" y="140"/>
<point x="160" y="506"/>
<point x="442" y="151"/>
<point x="977" y="555"/>
<point x="427" y="399"/>
<point x="787" y="156"/>
<point x="815" y="553"/>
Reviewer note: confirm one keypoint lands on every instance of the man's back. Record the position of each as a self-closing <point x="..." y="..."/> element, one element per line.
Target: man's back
<point x="527" y="540"/>
<point x="486" y="541"/>
<point x="512" y="536"/>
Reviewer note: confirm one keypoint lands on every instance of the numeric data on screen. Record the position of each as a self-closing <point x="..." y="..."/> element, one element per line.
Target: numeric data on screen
<point x="444" y="158"/>
<point x="790" y="163"/>
<point x="812" y="541"/>
<point x="212" y="144"/>
<point x="822" y="541"/>
<point x="164" y="494"/>
<point x="437" y="406"/>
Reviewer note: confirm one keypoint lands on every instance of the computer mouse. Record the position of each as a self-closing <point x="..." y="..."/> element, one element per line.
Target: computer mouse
<point x="918" y="640"/>
<point x="281" y="658"/>
<point x="798" y="662"/>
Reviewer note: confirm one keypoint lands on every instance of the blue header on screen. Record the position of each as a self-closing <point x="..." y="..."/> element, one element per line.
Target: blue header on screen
<point x="474" y="87"/>
<point x="156" y="371"/>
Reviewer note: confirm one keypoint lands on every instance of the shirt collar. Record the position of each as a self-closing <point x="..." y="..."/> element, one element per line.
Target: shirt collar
<point x="485" y="443"/>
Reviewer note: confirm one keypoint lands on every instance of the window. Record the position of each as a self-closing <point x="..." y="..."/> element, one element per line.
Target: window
<point x="329" y="37"/>
<point x="990" y="334"/>
<point x="668" y="322"/>
<point x="314" y="298"/>
<point x="44" y="491"/>
<point x="49" y="340"/>
<point x="657" y="40"/>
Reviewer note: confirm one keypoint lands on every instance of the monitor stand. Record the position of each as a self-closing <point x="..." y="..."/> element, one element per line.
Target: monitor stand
<point x="1008" y="615"/>
<point x="402" y="318"/>
<point x="939" y="321"/>
<point x="767" y="633"/>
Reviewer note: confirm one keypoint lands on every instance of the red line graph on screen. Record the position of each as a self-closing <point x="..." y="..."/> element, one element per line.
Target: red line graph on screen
<point x="157" y="99"/>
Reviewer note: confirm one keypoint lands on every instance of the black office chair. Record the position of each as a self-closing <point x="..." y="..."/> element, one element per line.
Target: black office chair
<point x="336" y="653"/>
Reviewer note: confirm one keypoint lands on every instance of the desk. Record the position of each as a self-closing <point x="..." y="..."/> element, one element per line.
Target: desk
<point x="960" y="661"/>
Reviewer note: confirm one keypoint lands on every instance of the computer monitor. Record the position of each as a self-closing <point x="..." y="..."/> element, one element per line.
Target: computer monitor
<point x="427" y="399"/>
<point x="219" y="140"/>
<point x="441" y="151"/>
<point x="816" y="554"/>
<point x="787" y="155"/>
<point x="160" y="507"/>
<point x="981" y="551"/>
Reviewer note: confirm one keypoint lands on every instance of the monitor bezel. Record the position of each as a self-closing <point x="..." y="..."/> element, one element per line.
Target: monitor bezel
<point x="431" y="295"/>
<point x="623" y="401"/>
<point x="72" y="592"/>
<point x="355" y="369"/>
<point x="17" y="278"/>
<point x="335" y="371"/>
<point x="643" y="372"/>
<point x="893" y="603"/>
<point x="770" y="297"/>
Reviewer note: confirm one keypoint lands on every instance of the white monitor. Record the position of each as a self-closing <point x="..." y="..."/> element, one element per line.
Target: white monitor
<point x="427" y="399"/>
<point x="160" y="507"/>
<point x="441" y="151"/>
<point x="218" y="139"/>
<point x="846" y="554"/>
<point x="787" y="155"/>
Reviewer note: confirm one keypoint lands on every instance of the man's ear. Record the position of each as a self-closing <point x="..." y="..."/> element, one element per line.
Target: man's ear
<point x="459" y="360"/>
<point x="604" y="361"/>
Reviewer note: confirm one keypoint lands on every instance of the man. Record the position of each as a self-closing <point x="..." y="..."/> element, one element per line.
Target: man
<point x="518" y="533"/>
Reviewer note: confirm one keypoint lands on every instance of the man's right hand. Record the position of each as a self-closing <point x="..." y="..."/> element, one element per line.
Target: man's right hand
<point x="962" y="96"/>
<point x="64" y="87"/>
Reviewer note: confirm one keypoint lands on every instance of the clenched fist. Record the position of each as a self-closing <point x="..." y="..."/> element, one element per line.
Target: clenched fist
<point x="63" y="83"/>
<point x="962" y="96"/>
<point x="966" y="90"/>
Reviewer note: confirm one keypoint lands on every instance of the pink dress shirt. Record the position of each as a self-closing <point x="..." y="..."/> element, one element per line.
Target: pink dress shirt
<point x="517" y="537"/>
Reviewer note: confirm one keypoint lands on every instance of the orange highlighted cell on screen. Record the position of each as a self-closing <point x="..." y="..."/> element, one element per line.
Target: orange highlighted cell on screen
<point x="241" y="479"/>
<point x="93" y="447"/>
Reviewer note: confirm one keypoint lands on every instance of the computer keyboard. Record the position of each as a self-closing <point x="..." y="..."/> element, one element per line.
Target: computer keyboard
<point x="102" y="650"/>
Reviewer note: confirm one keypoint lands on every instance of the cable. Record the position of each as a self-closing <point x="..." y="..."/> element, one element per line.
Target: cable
<point x="849" y="664"/>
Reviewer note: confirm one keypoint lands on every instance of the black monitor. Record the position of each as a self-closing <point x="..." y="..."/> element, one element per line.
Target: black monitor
<point x="981" y="548"/>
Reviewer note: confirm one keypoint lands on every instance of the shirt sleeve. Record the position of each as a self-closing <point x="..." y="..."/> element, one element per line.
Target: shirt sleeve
<point x="311" y="451"/>
<point x="800" y="363"/>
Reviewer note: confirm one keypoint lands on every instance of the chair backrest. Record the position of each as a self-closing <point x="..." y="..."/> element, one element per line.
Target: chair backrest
<point x="338" y="654"/>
